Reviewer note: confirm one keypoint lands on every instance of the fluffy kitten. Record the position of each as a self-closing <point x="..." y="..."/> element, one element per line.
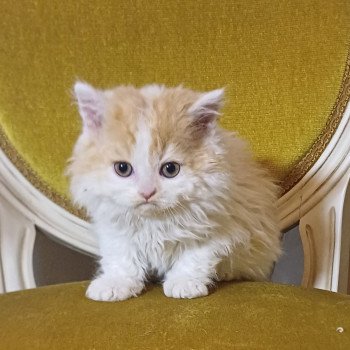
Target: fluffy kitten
<point x="170" y="193"/>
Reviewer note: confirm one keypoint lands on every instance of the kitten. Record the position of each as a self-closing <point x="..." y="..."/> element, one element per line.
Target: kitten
<point x="170" y="193"/>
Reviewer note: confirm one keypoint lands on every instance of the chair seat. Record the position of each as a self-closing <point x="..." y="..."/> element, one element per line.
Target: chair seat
<point x="237" y="315"/>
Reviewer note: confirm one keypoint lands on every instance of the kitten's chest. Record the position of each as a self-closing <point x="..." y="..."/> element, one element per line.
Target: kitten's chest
<point x="156" y="246"/>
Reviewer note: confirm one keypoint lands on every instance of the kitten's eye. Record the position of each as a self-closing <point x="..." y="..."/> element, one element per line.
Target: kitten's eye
<point x="123" y="169"/>
<point x="170" y="169"/>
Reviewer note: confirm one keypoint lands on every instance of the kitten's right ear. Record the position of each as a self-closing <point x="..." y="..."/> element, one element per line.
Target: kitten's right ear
<point x="91" y="105"/>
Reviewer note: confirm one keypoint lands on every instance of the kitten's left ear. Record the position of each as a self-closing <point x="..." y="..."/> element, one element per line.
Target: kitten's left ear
<point x="206" y="109"/>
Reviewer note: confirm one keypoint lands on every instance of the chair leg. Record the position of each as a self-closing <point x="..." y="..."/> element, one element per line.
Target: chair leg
<point x="17" y="236"/>
<point x="325" y="233"/>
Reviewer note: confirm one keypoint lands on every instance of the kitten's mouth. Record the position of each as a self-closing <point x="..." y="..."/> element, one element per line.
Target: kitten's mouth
<point x="146" y="204"/>
<point x="147" y="208"/>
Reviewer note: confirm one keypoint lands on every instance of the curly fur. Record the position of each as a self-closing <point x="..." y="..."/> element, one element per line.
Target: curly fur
<point x="214" y="221"/>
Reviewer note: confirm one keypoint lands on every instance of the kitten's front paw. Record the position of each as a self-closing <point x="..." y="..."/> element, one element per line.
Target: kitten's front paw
<point x="109" y="289"/>
<point x="185" y="288"/>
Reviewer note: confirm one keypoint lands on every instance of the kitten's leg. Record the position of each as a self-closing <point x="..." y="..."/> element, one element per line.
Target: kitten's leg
<point x="122" y="275"/>
<point x="191" y="274"/>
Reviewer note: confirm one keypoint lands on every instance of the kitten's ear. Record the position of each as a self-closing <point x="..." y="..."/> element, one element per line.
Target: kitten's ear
<point x="91" y="105"/>
<point x="205" y="110"/>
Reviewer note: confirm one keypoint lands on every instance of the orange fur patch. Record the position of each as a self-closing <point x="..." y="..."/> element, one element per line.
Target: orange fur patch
<point x="167" y="117"/>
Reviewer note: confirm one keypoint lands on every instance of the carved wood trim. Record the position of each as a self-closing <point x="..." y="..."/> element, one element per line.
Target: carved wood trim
<point x="17" y="236"/>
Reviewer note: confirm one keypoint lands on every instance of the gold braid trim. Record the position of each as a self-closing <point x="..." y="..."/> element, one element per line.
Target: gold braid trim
<point x="310" y="158"/>
<point x="27" y="171"/>
<point x="294" y="176"/>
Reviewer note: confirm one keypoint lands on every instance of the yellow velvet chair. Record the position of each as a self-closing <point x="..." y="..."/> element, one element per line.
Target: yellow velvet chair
<point x="286" y="69"/>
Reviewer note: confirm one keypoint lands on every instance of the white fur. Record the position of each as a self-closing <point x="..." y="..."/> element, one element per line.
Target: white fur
<point x="211" y="101"/>
<point x="198" y="228"/>
<point x="152" y="91"/>
<point x="145" y="181"/>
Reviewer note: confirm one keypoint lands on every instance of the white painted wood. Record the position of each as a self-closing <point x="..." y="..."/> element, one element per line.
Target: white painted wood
<point x="2" y="280"/>
<point x="322" y="177"/>
<point x="22" y="208"/>
<point x="37" y="208"/>
<point x="319" y="201"/>
<point x="326" y="240"/>
<point x="17" y="235"/>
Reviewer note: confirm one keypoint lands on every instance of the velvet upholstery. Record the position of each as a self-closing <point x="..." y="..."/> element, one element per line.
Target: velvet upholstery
<point x="243" y="315"/>
<point x="282" y="63"/>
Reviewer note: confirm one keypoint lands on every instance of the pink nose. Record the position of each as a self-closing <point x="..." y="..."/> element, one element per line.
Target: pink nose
<point x="148" y="195"/>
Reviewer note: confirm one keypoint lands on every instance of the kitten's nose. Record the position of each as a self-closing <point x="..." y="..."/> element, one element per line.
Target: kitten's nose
<point x="148" y="195"/>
